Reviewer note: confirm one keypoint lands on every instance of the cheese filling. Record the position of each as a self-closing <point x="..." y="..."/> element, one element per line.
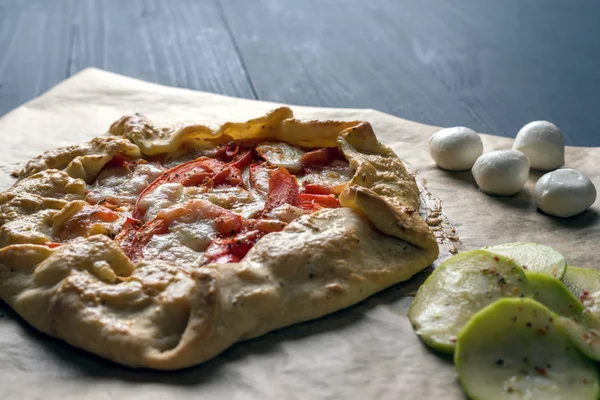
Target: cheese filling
<point x="208" y="210"/>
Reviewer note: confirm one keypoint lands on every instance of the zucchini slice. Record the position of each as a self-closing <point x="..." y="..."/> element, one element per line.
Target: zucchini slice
<point x="457" y="289"/>
<point x="512" y="350"/>
<point x="554" y="294"/>
<point x="533" y="257"/>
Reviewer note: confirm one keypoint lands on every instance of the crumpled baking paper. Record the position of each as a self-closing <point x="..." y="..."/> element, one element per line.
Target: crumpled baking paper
<point x="368" y="351"/>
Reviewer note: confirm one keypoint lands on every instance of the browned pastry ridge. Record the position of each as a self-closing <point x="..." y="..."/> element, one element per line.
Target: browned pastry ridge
<point x="158" y="297"/>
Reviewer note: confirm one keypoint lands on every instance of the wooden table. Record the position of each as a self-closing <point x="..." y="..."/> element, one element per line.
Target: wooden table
<point x="487" y="64"/>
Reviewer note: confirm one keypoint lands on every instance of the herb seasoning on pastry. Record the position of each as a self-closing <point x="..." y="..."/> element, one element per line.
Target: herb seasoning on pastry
<point x="160" y="247"/>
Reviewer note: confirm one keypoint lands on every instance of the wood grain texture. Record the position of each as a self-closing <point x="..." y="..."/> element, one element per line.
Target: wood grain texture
<point x="34" y="47"/>
<point x="490" y="65"/>
<point x="339" y="54"/>
<point x="183" y="43"/>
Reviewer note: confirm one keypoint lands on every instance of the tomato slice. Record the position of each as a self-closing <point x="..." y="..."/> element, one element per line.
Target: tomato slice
<point x="231" y="151"/>
<point x="283" y="189"/>
<point x="259" y="178"/>
<point x="128" y="231"/>
<point x="226" y="153"/>
<point x="236" y="235"/>
<point x="201" y="171"/>
<point x="135" y="234"/>
<point x="226" y="221"/>
<point x="232" y="249"/>
<point x="52" y="245"/>
<point x="231" y="154"/>
<point x="320" y="156"/>
<point x="312" y="188"/>
<point x="243" y="160"/>
<point x="133" y="241"/>
<point x="308" y="201"/>
<point x="118" y="160"/>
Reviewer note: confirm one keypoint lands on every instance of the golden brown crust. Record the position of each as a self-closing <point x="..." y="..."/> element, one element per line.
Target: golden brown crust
<point x="81" y="161"/>
<point x="163" y="315"/>
<point x="382" y="188"/>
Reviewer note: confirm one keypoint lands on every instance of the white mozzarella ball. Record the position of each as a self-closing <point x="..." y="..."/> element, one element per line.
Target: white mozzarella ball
<point x="564" y="193"/>
<point x="455" y="149"/>
<point x="502" y="172"/>
<point x="543" y="143"/>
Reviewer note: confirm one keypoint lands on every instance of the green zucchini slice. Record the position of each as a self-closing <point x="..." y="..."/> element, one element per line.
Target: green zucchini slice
<point x="512" y="349"/>
<point x="457" y="289"/>
<point x="533" y="257"/>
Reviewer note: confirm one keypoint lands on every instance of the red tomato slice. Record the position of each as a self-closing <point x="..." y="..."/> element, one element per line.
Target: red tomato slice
<point x="320" y="156"/>
<point x="265" y="225"/>
<point x="232" y="249"/>
<point x="200" y="171"/>
<point x="312" y="188"/>
<point x="283" y="189"/>
<point x="118" y="160"/>
<point x="136" y="235"/>
<point x="226" y="222"/>
<point x="310" y="200"/>
<point x="259" y="177"/>
<point x="133" y="241"/>
<point x="227" y="152"/>
<point x="231" y="151"/>
<point x="127" y="234"/>
<point x="53" y="245"/>
<point x="243" y="160"/>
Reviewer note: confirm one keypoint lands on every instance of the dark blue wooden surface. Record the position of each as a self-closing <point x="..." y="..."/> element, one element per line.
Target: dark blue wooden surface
<point x="487" y="64"/>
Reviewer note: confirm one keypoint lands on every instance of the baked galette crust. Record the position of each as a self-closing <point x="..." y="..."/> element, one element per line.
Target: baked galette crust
<point x="163" y="314"/>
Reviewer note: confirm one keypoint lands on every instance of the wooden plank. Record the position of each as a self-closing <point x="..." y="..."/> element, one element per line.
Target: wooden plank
<point x="181" y="43"/>
<point x="34" y="48"/>
<point x="528" y="60"/>
<point x="338" y="54"/>
<point x="490" y="65"/>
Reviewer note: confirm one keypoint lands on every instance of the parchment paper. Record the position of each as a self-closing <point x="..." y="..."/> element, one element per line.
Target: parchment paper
<point x="368" y="351"/>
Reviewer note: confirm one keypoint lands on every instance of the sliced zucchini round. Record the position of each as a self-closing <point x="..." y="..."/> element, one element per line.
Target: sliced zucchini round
<point x="584" y="332"/>
<point x="457" y="289"/>
<point x="511" y="349"/>
<point x="553" y="294"/>
<point x="533" y="257"/>
<point x="582" y="280"/>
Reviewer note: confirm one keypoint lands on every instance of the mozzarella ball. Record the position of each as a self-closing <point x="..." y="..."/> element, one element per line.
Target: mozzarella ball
<point x="502" y="172"/>
<point x="564" y="193"/>
<point x="543" y="143"/>
<point x="455" y="149"/>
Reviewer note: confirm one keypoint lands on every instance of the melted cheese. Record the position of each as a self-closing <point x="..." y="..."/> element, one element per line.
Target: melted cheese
<point x="335" y="179"/>
<point x="286" y="213"/>
<point x="187" y="238"/>
<point x="185" y="241"/>
<point x="122" y="186"/>
<point x="281" y="154"/>
<point x="238" y="200"/>
<point x="168" y="247"/>
<point x="260" y="180"/>
<point x="34" y="228"/>
<point x="162" y="197"/>
<point x="196" y="235"/>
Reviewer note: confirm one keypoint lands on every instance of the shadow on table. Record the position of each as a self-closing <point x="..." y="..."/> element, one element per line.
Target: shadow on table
<point x="525" y="199"/>
<point x="93" y="366"/>
<point x="462" y="176"/>
<point x="583" y="220"/>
